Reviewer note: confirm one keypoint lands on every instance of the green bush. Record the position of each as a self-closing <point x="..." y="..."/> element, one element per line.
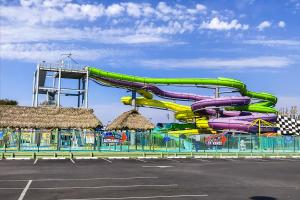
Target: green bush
<point x="8" y="102"/>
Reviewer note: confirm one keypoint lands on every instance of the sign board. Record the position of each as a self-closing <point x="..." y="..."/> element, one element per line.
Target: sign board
<point x="113" y="137"/>
<point x="215" y="140"/>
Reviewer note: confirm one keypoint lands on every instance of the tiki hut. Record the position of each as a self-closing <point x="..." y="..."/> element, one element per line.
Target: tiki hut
<point x="135" y="125"/>
<point x="131" y="120"/>
<point x="48" y="127"/>
<point x="47" y="118"/>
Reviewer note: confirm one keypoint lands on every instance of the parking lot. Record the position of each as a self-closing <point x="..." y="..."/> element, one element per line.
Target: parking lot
<point x="104" y="179"/>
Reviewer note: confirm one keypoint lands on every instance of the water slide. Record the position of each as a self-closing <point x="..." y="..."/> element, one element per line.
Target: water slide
<point x="238" y="114"/>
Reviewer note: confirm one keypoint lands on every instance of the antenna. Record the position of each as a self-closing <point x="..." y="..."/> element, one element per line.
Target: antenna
<point x="67" y="61"/>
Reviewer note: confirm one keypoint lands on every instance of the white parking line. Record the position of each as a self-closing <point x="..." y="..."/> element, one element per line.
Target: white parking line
<point x="253" y="157"/>
<point x="72" y="160"/>
<point x="54" y="158"/>
<point x="276" y="157"/>
<point x="119" y="157"/>
<point x="145" y="197"/>
<point x="86" y="158"/>
<point x="21" y="197"/>
<point x="106" y="160"/>
<point x="225" y="157"/>
<point x="203" y="157"/>
<point x="202" y="160"/>
<point x="176" y="157"/>
<point x="173" y="160"/>
<point x="35" y="161"/>
<point x="105" y="186"/>
<point x="84" y="179"/>
<point x="148" y="157"/>
<point x="141" y="160"/>
<point x="157" y="166"/>
<point x="295" y="156"/>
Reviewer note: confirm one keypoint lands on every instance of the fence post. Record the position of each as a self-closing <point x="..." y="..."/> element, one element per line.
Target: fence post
<point x="39" y="140"/>
<point x="128" y="139"/>
<point x="71" y="141"/>
<point x="251" y="145"/>
<point x="227" y="143"/>
<point x="143" y="140"/>
<point x="179" y="141"/>
<point x="19" y="139"/>
<point x="283" y="143"/>
<point x="95" y="140"/>
<point x="273" y="144"/>
<point x="99" y="140"/>
<point x="58" y="140"/>
<point x="294" y="144"/>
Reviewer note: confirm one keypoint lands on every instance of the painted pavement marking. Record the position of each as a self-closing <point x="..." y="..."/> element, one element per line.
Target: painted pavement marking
<point x="145" y="197"/>
<point x="21" y="197"/>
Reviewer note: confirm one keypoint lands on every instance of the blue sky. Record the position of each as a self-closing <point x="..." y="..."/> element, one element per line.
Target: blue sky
<point x="257" y="42"/>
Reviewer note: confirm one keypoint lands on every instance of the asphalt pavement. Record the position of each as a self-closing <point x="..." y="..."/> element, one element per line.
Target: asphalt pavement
<point x="108" y="179"/>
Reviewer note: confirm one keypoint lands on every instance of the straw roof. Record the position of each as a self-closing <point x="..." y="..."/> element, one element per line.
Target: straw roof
<point x="130" y="120"/>
<point x="47" y="117"/>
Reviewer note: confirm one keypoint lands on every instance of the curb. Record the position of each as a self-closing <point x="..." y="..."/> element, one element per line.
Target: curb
<point x="18" y="158"/>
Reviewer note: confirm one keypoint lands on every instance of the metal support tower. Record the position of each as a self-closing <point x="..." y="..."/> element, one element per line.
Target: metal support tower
<point x="54" y="89"/>
<point x="217" y="95"/>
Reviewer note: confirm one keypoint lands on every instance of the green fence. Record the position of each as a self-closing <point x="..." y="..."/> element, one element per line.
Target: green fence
<point x="126" y="141"/>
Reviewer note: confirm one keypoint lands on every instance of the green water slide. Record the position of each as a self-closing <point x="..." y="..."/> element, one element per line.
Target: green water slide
<point x="265" y="103"/>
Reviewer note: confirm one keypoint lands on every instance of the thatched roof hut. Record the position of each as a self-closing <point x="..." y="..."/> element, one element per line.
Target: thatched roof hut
<point x="131" y="120"/>
<point x="47" y="117"/>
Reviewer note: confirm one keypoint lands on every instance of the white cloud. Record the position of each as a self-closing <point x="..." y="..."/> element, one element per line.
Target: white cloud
<point x="281" y="24"/>
<point x="133" y="9"/>
<point x="11" y="34"/>
<point x="274" y="42"/>
<point x="217" y="24"/>
<point x="92" y="12"/>
<point x="114" y="10"/>
<point x="50" y="13"/>
<point x="42" y="51"/>
<point x="53" y="21"/>
<point x="164" y="8"/>
<point x="55" y="3"/>
<point x="200" y="7"/>
<point x="28" y="3"/>
<point x="211" y="63"/>
<point x="263" y="25"/>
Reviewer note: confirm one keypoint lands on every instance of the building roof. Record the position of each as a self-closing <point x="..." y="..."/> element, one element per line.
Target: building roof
<point x="47" y="117"/>
<point x="131" y="120"/>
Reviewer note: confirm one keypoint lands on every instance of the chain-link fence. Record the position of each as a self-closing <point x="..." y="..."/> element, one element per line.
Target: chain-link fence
<point x="129" y="141"/>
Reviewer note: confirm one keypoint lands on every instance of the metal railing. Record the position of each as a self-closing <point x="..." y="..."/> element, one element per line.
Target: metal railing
<point x="72" y="140"/>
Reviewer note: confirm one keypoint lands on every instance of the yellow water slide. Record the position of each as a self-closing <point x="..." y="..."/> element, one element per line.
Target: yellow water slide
<point x="183" y="113"/>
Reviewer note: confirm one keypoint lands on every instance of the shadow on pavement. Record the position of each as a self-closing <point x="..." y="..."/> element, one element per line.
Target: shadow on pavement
<point x="262" y="198"/>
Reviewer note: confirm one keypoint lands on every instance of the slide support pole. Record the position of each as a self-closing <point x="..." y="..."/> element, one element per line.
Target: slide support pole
<point x="59" y="88"/>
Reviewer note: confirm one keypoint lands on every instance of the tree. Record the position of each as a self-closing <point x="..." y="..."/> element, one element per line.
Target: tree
<point x="292" y="112"/>
<point x="8" y="102"/>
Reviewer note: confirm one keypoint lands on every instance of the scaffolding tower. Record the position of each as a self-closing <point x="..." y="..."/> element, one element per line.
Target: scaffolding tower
<point x="54" y="74"/>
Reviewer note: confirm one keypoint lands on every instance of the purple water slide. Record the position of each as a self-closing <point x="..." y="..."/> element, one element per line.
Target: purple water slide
<point x="155" y="90"/>
<point x="205" y="105"/>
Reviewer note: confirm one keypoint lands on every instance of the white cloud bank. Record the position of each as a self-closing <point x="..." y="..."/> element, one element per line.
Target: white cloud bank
<point x="274" y="42"/>
<point x="211" y="63"/>
<point x="42" y="51"/>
